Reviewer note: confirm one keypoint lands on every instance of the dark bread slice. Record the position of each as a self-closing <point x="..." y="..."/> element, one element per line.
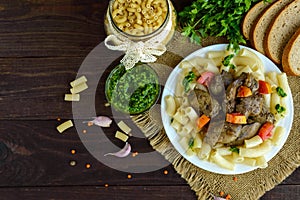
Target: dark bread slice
<point x="281" y="30"/>
<point x="291" y="55"/>
<point x="251" y="16"/>
<point x="260" y="27"/>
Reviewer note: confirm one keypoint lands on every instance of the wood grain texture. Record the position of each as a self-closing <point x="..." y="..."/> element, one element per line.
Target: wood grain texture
<point x="111" y="192"/>
<point x="124" y="192"/>
<point x="38" y="28"/>
<point x="33" y="153"/>
<point x="42" y="46"/>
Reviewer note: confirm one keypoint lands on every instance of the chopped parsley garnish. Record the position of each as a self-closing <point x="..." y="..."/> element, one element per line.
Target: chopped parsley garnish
<point x="234" y="149"/>
<point x="280" y="92"/>
<point x="280" y="109"/>
<point x="232" y="66"/>
<point x="187" y="80"/>
<point x="227" y="59"/>
<point x="191" y="143"/>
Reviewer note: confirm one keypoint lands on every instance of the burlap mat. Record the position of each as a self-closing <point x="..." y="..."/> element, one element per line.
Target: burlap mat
<point x="251" y="185"/>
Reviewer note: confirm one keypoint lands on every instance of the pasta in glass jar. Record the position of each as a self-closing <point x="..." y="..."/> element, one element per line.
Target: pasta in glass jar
<point x="140" y="20"/>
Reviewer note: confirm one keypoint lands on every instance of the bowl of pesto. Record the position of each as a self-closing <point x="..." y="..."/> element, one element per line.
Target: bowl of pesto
<point x="132" y="91"/>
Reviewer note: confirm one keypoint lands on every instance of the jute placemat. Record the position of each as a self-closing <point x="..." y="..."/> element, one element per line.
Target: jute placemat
<point x="251" y="185"/>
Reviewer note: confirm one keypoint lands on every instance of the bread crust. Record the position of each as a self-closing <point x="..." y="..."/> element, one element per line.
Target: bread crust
<point x="262" y="23"/>
<point x="287" y="66"/>
<point x="251" y="16"/>
<point x="274" y="31"/>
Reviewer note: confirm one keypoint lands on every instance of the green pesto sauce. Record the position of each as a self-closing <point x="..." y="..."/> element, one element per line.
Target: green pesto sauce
<point x="132" y="91"/>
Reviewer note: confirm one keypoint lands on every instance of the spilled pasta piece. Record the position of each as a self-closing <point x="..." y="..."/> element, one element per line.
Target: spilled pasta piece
<point x="78" y="81"/>
<point x="64" y="126"/>
<point x="79" y="88"/>
<point x="121" y="136"/>
<point x="72" y="97"/>
<point x="78" y="85"/>
<point x="124" y="127"/>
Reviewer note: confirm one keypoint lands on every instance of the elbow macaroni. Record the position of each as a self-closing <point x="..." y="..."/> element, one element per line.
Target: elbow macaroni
<point x="150" y="15"/>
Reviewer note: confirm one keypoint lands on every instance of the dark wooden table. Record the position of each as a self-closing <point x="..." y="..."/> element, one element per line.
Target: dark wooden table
<point x="42" y="45"/>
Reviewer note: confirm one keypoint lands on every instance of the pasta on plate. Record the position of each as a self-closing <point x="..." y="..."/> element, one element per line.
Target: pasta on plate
<point x="227" y="112"/>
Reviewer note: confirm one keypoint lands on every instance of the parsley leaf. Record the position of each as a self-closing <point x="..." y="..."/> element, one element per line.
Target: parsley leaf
<point x="191" y="143"/>
<point x="280" y="92"/>
<point x="234" y="149"/>
<point x="221" y="18"/>
<point x="280" y="109"/>
<point x="227" y="59"/>
<point x="187" y="80"/>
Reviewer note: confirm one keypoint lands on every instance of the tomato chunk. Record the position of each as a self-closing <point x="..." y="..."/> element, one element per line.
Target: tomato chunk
<point x="264" y="87"/>
<point x="265" y="131"/>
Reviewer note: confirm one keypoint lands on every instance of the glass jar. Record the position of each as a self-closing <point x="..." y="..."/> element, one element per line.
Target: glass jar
<point x="141" y="20"/>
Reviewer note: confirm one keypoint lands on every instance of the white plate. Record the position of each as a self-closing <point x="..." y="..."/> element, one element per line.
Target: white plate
<point x="174" y="137"/>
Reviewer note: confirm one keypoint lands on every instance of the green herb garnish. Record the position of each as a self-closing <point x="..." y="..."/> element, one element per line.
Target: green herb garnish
<point x="234" y="149"/>
<point x="280" y="92"/>
<point x="187" y="80"/>
<point x="280" y="109"/>
<point x="227" y="60"/>
<point x="215" y="18"/>
<point x="191" y="143"/>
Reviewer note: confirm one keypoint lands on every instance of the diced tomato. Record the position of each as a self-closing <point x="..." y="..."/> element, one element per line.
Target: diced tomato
<point x="244" y="91"/>
<point x="205" y="78"/>
<point x="202" y="121"/>
<point x="266" y="130"/>
<point x="264" y="87"/>
<point x="236" y="118"/>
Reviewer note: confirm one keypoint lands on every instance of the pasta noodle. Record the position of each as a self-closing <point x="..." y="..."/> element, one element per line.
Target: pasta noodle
<point x="204" y="152"/>
<point x="124" y="127"/>
<point x="72" y="97"/>
<point x="257" y="151"/>
<point x="283" y="82"/>
<point x="224" y="151"/>
<point x="249" y="161"/>
<point x="121" y="136"/>
<point x="79" y="88"/>
<point x="277" y="135"/>
<point x="64" y="126"/>
<point x="179" y="116"/>
<point x="261" y="162"/>
<point x="78" y="81"/>
<point x="221" y="161"/>
<point x="171" y="105"/>
<point x="253" y="142"/>
<point x="191" y="113"/>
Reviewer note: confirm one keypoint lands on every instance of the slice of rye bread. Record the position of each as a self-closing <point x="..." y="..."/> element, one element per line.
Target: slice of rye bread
<point x="260" y="27"/>
<point x="251" y="16"/>
<point x="281" y="30"/>
<point x="291" y="55"/>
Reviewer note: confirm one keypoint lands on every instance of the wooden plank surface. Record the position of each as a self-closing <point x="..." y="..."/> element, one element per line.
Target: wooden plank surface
<point x="126" y="192"/>
<point x="42" y="45"/>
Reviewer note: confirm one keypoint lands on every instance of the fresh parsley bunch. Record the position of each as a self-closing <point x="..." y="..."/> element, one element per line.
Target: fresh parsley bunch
<point x="215" y="18"/>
